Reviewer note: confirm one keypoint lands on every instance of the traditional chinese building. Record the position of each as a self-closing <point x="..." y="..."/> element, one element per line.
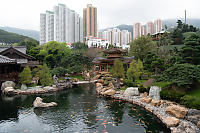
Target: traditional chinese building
<point x="112" y="54"/>
<point x="13" y="60"/>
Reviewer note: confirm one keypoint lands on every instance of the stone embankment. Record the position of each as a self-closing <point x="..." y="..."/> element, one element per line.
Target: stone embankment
<point x="8" y="88"/>
<point x="176" y="117"/>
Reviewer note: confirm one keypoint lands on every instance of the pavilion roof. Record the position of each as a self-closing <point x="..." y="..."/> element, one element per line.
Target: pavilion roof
<point x="6" y="60"/>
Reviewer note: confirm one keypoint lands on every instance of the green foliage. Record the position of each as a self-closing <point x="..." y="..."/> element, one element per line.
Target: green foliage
<point x="128" y="82"/>
<point x="142" y="89"/>
<point x="79" y="46"/>
<point x="45" y="76"/>
<point x="153" y="63"/>
<point x="76" y="62"/>
<point x="25" y="76"/>
<point x="141" y="46"/>
<point x="59" y="71"/>
<point x="191" y="101"/>
<point x="53" y="52"/>
<point x="8" y="37"/>
<point x="171" y="95"/>
<point x="162" y="84"/>
<point x="135" y="70"/>
<point x="30" y="44"/>
<point x="117" y="69"/>
<point x="181" y="75"/>
<point x="190" y="53"/>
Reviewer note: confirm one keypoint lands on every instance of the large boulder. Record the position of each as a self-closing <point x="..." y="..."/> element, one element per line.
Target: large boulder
<point x="146" y="100"/>
<point x="171" y="121"/>
<point x="155" y="102"/>
<point x="48" y="88"/>
<point x="198" y="124"/>
<point x="193" y="115"/>
<point x="131" y="92"/>
<point x="109" y="92"/>
<point x="177" y="111"/>
<point x="8" y="90"/>
<point x="184" y="127"/>
<point x="154" y="92"/>
<point x="39" y="104"/>
<point x="7" y="84"/>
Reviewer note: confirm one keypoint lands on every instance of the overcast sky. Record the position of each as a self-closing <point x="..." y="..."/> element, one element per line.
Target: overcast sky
<point x="26" y="13"/>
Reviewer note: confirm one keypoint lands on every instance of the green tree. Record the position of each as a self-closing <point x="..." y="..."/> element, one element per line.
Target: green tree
<point x="190" y="53"/>
<point x="117" y="69"/>
<point x="45" y="76"/>
<point x="135" y="70"/>
<point x="53" y="52"/>
<point x="184" y="75"/>
<point x="25" y="76"/>
<point x="141" y="46"/>
<point x="79" y="46"/>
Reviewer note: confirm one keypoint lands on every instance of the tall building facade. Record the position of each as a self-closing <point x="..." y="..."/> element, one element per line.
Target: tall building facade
<point x="157" y="26"/>
<point x="61" y="25"/>
<point x="150" y="28"/>
<point x="89" y="21"/>
<point x="116" y="37"/>
<point x="136" y="30"/>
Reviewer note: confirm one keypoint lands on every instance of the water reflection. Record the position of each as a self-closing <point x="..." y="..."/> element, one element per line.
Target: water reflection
<point x="79" y="110"/>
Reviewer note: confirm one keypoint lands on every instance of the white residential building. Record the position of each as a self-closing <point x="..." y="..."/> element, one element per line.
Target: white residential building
<point x="157" y="26"/>
<point x="136" y="30"/>
<point x="97" y="42"/>
<point x="61" y="25"/>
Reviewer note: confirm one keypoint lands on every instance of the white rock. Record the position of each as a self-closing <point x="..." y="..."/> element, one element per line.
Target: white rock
<point x="24" y="87"/>
<point x="131" y="92"/>
<point x="154" y="92"/>
<point x="39" y="104"/>
<point x="7" y="84"/>
<point x="8" y="89"/>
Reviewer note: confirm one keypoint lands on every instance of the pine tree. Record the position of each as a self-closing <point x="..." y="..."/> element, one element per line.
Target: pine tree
<point x="45" y="76"/>
<point x="25" y="76"/>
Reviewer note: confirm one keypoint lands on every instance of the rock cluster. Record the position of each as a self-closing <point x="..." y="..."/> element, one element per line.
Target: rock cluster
<point x="7" y="84"/>
<point x="39" y="104"/>
<point x="179" y="119"/>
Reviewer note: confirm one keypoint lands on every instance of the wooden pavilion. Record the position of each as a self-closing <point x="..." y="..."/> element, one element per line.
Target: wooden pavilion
<point x="12" y="62"/>
<point x="112" y="54"/>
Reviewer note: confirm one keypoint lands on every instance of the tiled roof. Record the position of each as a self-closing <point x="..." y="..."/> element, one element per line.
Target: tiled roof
<point x="19" y="48"/>
<point x="6" y="60"/>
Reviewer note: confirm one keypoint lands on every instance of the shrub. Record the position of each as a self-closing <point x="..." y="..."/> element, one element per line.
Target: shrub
<point x="59" y="71"/>
<point x="117" y="69"/>
<point x="142" y="89"/>
<point x="181" y="75"/>
<point x="45" y="76"/>
<point x="25" y="76"/>
<point x="171" y="95"/>
<point x="191" y="101"/>
<point x="128" y="82"/>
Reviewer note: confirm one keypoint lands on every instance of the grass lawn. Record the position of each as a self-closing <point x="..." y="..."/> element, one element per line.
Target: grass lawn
<point x="79" y="77"/>
<point x="195" y="92"/>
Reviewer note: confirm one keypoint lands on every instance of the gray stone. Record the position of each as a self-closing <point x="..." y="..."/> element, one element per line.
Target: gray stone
<point x="48" y="88"/>
<point x="154" y="92"/>
<point x="131" y="92"/>
<point x="24" y="87"/>
<point x="7" y="84"/>
<point x="39" y="104"/>
<point x="184" y="127"/>
<point x="193" y="115"/>
<point x="8" y="90"/>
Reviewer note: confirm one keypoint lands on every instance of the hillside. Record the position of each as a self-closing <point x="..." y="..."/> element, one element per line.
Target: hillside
<point x="8" y="37"/>
<point x="29" y="33"/>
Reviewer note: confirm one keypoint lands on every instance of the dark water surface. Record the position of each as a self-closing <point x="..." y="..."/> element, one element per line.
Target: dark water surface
<point x="79" y="110"/>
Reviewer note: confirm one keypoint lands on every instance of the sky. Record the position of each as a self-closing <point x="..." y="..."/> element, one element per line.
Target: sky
<point x="25" y="14"/>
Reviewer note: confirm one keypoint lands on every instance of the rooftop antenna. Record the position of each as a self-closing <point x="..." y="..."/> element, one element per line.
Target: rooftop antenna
<point x="185" y="16"/>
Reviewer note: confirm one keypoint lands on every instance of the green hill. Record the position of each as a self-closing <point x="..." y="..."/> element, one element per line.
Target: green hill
<point x="9" y="38"/>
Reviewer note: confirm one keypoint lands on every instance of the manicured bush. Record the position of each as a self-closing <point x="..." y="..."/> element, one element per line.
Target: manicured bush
<point x="45" y="76"/>
<point x="171" y="95"/>
<point x="181" y="75"/>
<point x="59" y="71"/>
<point x="191" y="101"/>
<point x="25" y="76"/>
<point x="142" y="89"/>
<point x="128" y="82"/>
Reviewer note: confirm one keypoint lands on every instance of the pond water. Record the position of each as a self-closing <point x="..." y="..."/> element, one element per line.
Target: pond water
<point x="79" y="110"/>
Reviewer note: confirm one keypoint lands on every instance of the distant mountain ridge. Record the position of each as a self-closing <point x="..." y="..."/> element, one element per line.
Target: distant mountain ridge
<point x="29" y="33"/>
<point x="170" y="23"/>
<point x="10" y="38"/>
